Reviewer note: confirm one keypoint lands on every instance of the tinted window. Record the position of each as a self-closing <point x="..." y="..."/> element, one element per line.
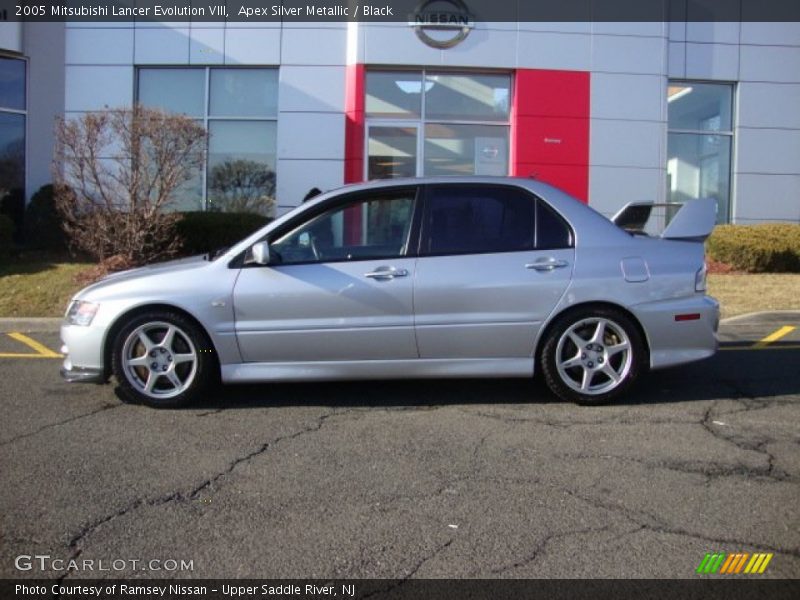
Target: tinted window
<point x="374" y="226"/>
<point x="12" y="83"/>
<point x="551" y="230"/>
<point x="473" y="220"/>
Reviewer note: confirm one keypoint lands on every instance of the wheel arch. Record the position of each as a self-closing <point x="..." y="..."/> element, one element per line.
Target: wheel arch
<point x="543" y="335"/>
<point x="119" y="323"/>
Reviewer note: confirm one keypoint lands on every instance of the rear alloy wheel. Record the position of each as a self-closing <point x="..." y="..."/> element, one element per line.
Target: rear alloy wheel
<point x="592" y="356"/>
<point x="162" y="360"/>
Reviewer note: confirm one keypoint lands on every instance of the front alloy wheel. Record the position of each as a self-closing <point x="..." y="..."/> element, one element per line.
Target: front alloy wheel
<point x="162" y="360"/>
<point x="592" y="356"/>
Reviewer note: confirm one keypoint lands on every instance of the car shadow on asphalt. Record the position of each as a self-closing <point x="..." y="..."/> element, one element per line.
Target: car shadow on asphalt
<point x="735" y="372"/>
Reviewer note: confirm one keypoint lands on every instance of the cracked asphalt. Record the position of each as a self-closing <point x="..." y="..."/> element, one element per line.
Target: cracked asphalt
<point x="401" y="479"/>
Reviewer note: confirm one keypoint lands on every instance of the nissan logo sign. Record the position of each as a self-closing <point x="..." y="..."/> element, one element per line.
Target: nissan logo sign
<point x="441" y="23"/>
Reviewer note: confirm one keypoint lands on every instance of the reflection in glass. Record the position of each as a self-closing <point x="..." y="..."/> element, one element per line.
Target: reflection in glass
<point x="465" y="150"/>
<point x="394" y="94"/>
<point x="392" y="152"/>
<point x="700" y="106"/>
<point x="699" y="166"/>
<point x="12" y="155"/>
<point x="12" y="83"/>
<point x="244" y="92"/>
<point x="241" y="166"/>
<point x="189" y="195"/>
<point x="467" y="97"/>
<point x="173" y="90"/>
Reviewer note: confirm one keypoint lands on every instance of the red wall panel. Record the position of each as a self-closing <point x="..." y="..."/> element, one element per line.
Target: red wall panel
<point x="354" y="124"/>
<point x="550" y="128"/>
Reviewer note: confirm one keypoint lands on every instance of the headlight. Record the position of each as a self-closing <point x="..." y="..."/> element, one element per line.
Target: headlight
<point x="81" y="312"/>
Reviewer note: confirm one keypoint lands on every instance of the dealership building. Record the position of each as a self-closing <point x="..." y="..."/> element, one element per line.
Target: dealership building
<point x="612" y="112"/>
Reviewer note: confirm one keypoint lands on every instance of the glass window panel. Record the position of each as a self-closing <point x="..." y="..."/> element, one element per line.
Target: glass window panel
<point x="392" y="152"/>
<point x="699" y="106"/>
<point x="174" y="90"/>
<point x="244" y="92"/>
<point x="699" y="166"/>
<point x="465" y="150"/>
<point x="480" y="219"/>
<point x="12" y="83"/>
<point x="12" y="154"/>
<point x="551" y="230"/>
<point x="394" y="94"/>
<point x="241" y="166"/>
<point x="189" y="196"/>
<point x="377" y="227"/>
<point x="467" y="97"/>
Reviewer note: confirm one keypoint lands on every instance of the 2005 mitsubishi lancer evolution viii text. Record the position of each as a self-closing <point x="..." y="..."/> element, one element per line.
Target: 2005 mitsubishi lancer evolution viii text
<point x="431" y="277"/>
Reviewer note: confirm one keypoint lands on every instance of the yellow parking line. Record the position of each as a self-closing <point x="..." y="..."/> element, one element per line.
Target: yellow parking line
<point x="757" y="347"/>
<point x="774" y="336"/>
<point x="41" y="350"/>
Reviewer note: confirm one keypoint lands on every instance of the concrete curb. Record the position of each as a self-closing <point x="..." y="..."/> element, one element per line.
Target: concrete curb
<point x="762" y="313"/>
<point x="22" y="324"/>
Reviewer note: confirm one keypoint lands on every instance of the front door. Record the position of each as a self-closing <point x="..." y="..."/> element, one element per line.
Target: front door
<point x="338" y="286"/>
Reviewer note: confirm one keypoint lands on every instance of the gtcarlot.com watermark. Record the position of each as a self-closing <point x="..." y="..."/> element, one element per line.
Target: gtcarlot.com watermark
<point x="46" y="563"/>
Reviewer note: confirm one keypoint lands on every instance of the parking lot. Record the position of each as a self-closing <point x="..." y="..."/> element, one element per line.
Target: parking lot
<point x="408" y="478"/>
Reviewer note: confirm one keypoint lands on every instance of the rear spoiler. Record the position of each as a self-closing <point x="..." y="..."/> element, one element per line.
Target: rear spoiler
<point x="692" y="220"/>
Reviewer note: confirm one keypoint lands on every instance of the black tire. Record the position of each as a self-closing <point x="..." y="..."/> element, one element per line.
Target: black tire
<point x="602" y="356"/>
<point x="176" y="380"/>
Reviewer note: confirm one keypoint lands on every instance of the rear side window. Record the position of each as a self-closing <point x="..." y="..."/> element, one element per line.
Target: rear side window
<point x="479" y="219"/>
<point x="551" y="230"/>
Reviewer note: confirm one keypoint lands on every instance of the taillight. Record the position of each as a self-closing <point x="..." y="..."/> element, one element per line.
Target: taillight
<point x="700" y="279"/>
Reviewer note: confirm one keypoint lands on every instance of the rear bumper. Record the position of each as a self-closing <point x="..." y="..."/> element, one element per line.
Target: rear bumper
<point x="680" y="331"/>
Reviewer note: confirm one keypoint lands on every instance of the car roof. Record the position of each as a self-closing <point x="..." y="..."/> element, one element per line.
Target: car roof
<point x="588" y="224"/>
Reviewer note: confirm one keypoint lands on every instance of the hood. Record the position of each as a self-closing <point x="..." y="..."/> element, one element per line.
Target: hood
<point x="173" y="266"/>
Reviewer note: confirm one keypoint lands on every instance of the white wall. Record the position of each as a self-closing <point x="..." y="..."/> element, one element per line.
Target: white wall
<point x="630" y="64"/>
<point x="763" y="59"/>
<point x="44" y="47"/>
<point x="11" y="36"/>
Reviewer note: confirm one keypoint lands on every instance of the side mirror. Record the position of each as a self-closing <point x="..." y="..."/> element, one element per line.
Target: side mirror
<point x="260" y="252"/>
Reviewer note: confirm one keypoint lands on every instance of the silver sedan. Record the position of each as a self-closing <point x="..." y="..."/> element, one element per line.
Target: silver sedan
<point x="447" y="277"/>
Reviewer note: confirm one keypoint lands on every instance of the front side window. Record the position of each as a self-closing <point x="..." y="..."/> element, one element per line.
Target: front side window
<point x="239" y="109"/>
<point x="700" y="143"/>
<point x="374" y="226"/>
<point x="436" y="123"/>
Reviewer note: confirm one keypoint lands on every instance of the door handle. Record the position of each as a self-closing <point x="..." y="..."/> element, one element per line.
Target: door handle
<point x="546" y="264"/>
<point x="385" y="273"/>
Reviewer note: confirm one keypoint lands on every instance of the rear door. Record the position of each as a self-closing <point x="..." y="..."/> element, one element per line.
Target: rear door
<point x="494" y="262"/>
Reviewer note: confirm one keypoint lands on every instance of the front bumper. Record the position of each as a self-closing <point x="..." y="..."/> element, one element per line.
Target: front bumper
<point x="78" y="375"/>
<point x="83" y="354"/>
<point x="674" y="340"/>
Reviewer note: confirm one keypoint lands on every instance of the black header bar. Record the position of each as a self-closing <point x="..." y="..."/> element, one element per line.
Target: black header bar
<point x="408" y="11"/>
<point x="699" y="588"/>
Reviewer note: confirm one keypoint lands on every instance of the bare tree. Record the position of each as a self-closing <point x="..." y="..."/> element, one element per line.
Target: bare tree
<point x="242" y="186"/>
<point x="117" y="172"/>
